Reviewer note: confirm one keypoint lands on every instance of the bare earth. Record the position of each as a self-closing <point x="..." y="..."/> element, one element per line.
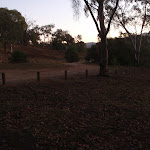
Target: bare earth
<point x="106" y="113"/>
<point x="24" y="75"/>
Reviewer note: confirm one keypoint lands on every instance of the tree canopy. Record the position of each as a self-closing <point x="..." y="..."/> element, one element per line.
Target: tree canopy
<point x="61" y="38"/>
<point x="134" y="17"/>
<point x="46" y="31"/>
<point x="12" y="26"/>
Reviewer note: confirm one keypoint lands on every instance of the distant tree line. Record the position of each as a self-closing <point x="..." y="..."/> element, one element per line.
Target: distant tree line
<point x="14" y="29"/>
<point x="120" y="52"/>
<point x="129" y="49"/>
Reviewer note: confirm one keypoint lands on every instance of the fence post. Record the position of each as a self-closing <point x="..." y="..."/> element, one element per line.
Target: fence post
<point x="38" y="76"/>
<point x="86" y="73"/>
<point x="66" y="75"/>
<point x="3" y="79"/>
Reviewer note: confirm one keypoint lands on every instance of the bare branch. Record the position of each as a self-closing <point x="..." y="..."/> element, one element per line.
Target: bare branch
<point x="129" y="34"/>
<point x="144" y="20"/>
<point x="108" y="28"/>
<point x="88" y="6"/>
<point x="93" y="7"/>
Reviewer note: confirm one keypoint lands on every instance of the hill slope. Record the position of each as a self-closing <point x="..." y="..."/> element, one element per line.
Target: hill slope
<point x="41" y="55"/>
<point x="35" y="54"/>
<point x="38" y="55"/>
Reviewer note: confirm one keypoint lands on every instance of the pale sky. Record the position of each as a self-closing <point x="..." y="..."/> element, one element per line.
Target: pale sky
<point x="58" y="12"/>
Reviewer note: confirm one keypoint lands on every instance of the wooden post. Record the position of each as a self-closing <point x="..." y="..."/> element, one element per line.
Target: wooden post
<point x="66" y="76"/>
<point x="38" y="76"/>
<point x="3" y="79"/>
<point x="86" y="73"/>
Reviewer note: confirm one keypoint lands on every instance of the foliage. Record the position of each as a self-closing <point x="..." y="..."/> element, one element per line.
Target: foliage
<point x="102" y="13"/>
<point x="61" y="39"/>
<point x="12" y="25"/>
<point x="92" y="54"/>
<point x="134" y="17"/>
<point x="32" y="34"/>
<point x="72" y="54"/>
<point x="18" y="57"/>
<point x="120" y="52"/>
<point x="78" y="38"/>
<point x="46" y="31"/>
<point x="145" y="57"/>
<point x="56" y="45"/>
<point x="80" y="46"/>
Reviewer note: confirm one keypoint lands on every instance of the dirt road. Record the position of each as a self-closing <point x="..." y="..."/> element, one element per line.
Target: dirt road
<point x="19" y="75"/>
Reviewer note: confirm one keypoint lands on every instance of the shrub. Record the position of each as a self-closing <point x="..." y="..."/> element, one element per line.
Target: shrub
<point x="120" y="52"/>
<point x="145" y="57"/>
<point x="18" y="57"/>
<point x="92" y="55"/>
<point x="72" y="55"/>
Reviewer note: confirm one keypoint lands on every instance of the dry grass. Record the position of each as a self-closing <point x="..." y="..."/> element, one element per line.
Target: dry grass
<point x="94" y="113"/>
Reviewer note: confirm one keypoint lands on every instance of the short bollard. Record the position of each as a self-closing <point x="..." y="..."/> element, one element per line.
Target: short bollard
<point x="86" y="73"/>
<point x="3" y="79"/>
<point x="66" y="75"/>
<point x="38" y="76"/>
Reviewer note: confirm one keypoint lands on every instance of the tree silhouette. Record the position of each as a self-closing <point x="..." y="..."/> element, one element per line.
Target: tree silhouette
<point x="46" y="31"/>
<point x="132" y="21"/>
<point x="102" y="13"/>
<point x="12" y="27"/>
<point x="61" y="39"/>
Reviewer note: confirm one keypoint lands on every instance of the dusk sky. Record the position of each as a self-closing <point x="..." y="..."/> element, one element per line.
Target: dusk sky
<point x="58" y="12"/>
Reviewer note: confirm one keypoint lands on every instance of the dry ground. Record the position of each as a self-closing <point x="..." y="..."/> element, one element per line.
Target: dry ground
<point x="79" y="113"/>
<point x="50" y="63"/>
<point x="18" y="73"/>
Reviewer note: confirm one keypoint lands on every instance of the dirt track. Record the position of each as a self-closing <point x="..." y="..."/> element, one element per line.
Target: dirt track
<point x="19" y="75"/>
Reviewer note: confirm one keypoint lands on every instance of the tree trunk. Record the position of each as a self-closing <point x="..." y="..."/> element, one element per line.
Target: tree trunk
<point x="138" y="58"/>
<point x="102" y="34"/>
<point x="104" y="57"/>
<point x="104" y="50"/>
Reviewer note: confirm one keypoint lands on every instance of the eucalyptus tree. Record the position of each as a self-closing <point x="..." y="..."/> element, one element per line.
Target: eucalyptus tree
<point x="61" y="39"/>
<point x="34" y="35"/>
<point x="134" y="17"/>
<point x="78" y="38"/>
<point x="46" y="31"/>
<point x="80" y="45"/>
<point x="12" y="27"/>
<point x="102" y="13"/>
